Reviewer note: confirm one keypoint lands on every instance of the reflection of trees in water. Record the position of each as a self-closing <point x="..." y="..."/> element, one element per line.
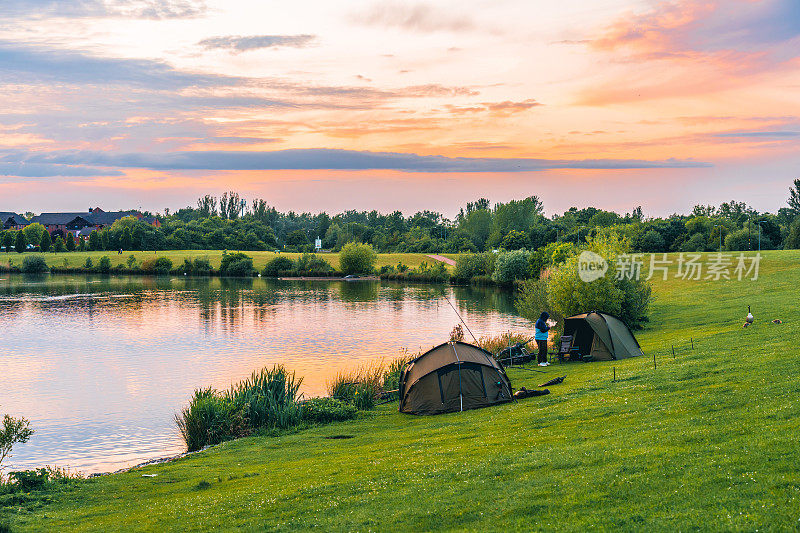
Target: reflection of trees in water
<point x="483" y="299"/>
<point x="358" y="291"/>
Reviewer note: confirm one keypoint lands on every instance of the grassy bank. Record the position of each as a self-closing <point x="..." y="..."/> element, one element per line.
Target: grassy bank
<point x="707" y="440"/>
<point x="260" y="259"/>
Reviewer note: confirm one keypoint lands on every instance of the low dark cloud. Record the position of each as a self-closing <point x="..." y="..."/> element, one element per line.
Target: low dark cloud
<point x="38" y="170"/>
<point x="27" y="64"/>
<point x="148" y="9"/>
<point x="332" y="159"/>
<point x="238" y="43"/>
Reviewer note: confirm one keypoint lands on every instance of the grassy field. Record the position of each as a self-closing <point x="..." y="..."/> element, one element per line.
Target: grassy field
<point x="77" y="259"/>
<point x="705" y="441"/>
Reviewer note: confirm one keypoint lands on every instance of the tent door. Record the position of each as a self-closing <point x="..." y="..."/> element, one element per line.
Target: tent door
<point x="599" y="350"/>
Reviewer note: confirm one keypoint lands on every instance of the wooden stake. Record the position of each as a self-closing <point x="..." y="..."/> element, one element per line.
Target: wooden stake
<point x="692" y="343"/>
<point x="615" y="374"/>
<point x="673" y="351"/>
<point x="654" y="360"/>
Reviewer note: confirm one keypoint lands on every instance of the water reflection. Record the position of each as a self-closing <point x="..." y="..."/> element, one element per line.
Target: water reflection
<point x="100" y="364"/>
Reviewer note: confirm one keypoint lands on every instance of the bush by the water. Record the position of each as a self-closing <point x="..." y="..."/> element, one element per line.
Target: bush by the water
<point x="159" y="265"/>
<point x="510" y="266"/>
<point x="34" y="264"/>
<point x="564" y="294"/>
<point x="265" y="400"/>
<point x="324" y="410"/>
<point x="278" y="265"/>
<point x="313" y="264"/>
<point x="104" y="266"/>
<point x="236" y="264"/>
<point x="470" y="265"/>
<point x="357" y="258"/>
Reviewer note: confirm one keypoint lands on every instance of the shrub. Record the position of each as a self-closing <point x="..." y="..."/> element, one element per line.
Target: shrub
<point x="45" y="242"/>
<point x="58" y="245"/>
<point x="237" y="264"/>
<point x="745" y="239"/>
<point x="157" y="265"/>
<point x="565" y="294"/>
<point x="359" y="386"/>
<point x="206" y="421"/>
<point x="311" y="263"/>
<point x="201" y="267"/>
<point x="104" y="266"/>
<point x="471" y="265"/>
<point x="34" y="264"/>
<point x="131" y="261"/>
<point x="357" y="258"/>
<point x="186" y="267"/>
<point x="510" y="266"/>
<point x="267" y="399"/>
<point x="324" y="410"/>
<point x="495" y="344"/>
<point x="277" y="265"/>
<point x="88" y="263"/>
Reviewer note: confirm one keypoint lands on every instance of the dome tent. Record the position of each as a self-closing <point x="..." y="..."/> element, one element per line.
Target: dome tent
<point x="454" y="376"/>
<point x="602" y="336"/>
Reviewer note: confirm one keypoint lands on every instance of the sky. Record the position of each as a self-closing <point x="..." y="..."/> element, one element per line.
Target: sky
<point x="386" y="104"/>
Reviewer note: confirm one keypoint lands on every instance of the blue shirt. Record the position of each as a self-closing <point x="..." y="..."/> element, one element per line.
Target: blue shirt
<point x="542" y="332"/>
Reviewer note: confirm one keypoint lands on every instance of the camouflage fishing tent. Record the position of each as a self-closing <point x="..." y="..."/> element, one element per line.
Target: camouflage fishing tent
<point x="603" y="336"/>
<point x="454" y="376"/>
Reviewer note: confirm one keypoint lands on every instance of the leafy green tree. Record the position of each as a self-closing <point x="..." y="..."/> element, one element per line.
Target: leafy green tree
<point x="8" y="240"/>
<point x="564" y="293"/>
<point x="20" y="243"/>
<point x="515" y="240"/>
<point x="14" y="431"/>
<point x="70" y="242"/>
<point x="126" y="241"/>
<point x="652" y="242"/>
<point x="58" y="245"/>
<point x="511" y="266"/>
<point x="794" y="197"/>
<point x="33" y="232"/>
<point x="45" y="242"/>
<point x="793" y="238"/>
<point x="94" y="241"/>
<point x="357" y="258"/>
<point x="82" y="244"/>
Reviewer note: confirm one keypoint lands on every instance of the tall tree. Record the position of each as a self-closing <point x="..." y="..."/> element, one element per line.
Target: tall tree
<point x="70" y="242"/>
<point x="207" y="206"/>
<point x="45" y="242"/>
<point x="794" y="197"/>
<point x="20" y="243"/>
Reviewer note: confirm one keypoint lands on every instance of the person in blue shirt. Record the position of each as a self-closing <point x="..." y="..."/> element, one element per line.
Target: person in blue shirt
<point x="541" y="335"/>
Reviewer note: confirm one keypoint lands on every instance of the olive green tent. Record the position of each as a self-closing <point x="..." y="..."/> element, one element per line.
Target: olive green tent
<point x="454" y="376"/>
<point x="603" y="336"/>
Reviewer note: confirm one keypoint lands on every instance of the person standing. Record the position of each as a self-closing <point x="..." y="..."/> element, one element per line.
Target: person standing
<point x="541" y="335"/>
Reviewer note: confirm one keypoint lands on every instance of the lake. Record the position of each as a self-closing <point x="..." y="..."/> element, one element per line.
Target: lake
<point x="99" y="365"/>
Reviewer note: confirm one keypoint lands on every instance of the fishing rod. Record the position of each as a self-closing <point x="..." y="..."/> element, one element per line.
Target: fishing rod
<point x="461" y="319"/>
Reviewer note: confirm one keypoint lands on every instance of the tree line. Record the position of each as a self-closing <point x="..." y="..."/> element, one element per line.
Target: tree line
<point x="231" y="223"/>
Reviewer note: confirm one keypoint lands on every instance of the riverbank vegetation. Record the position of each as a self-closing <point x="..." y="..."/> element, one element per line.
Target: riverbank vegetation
<point x="706" y="440"/>
<point x="478" y="227"/>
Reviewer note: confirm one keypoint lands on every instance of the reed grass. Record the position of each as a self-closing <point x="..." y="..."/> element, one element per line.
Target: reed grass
<point x="496" y="343"/>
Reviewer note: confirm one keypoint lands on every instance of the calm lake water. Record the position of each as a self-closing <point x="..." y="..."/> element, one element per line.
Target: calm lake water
<point x="100" y="365"/>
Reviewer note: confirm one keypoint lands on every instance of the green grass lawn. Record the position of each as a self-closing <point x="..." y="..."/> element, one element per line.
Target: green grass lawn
<point x="77" y="259"/>
<point x="706" y="441"/>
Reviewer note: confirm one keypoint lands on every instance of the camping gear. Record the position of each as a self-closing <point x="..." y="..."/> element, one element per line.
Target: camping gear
<point x="454" y="376"/>
<point x="564" y="347"/>
<point x="554" y="381"/>
<point x="514" y="355"/>
<point x="750" y="318"/>
<point x="600" y="337"/>
<point x="523" y="393"/>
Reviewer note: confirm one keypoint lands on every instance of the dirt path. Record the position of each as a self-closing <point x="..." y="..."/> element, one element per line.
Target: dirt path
<point x="443" y="259"/>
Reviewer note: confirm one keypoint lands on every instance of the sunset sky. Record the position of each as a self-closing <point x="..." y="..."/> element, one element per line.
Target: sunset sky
<point x="373" y="104"/>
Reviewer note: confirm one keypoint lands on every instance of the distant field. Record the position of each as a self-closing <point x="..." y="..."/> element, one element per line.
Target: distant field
<point x="76" y="259"/>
